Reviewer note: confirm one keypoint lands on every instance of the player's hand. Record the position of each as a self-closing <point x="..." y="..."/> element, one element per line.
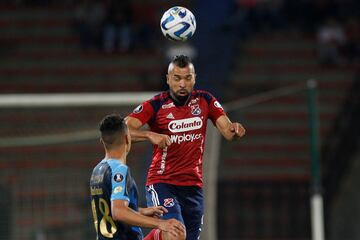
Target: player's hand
<point x="173" y="227"/>
<point x="237" y="129"/>
<point x="156" y="212"/>
<point x="162" y="140"/>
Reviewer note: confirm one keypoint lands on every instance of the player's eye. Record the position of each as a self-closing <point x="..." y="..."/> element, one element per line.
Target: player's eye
<point x="188" y="78"/>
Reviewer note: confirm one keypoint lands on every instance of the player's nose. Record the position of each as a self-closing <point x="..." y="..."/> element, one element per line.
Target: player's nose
<point x="182" y="83"/>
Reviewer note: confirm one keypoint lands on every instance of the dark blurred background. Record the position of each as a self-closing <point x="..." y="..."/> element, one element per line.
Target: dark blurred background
<point x="240" y="48"/>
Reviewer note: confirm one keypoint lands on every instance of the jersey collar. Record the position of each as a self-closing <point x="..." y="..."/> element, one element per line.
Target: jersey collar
<point x="178" y="103"/>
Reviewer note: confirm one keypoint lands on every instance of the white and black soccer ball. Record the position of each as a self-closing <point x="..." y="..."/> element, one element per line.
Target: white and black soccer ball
<point x="178" y="24"/>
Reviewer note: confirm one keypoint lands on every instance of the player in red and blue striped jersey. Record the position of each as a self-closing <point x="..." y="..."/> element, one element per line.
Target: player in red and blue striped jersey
<point x="177" y="119"/>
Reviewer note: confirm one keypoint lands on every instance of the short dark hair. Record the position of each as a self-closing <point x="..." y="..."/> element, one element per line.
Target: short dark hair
<point x="112" y="127"/>
<point x="181" y="61"/>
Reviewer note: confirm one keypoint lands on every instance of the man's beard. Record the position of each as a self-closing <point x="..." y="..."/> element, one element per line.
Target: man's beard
<point x="181" y="99"/>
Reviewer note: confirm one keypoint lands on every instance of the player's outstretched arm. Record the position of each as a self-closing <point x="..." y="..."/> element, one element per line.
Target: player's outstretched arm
<point x="138" y="135"/>
<point x="231" y="131"/>
<point x="122" y="212"/>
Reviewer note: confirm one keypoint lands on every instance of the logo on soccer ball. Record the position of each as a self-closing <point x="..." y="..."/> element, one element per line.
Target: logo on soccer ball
<point x="138" y="109"/>
<point x="178" y="24"/>
<point x="118" y="177"/>
<point x="169" y="202"/>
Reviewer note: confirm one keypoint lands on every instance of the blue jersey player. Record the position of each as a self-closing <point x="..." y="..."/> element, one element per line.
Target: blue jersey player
<point x="114" y="196"/>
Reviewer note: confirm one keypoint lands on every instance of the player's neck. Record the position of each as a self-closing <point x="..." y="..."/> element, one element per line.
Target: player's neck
<point x="118" y="155"/>
<point x="177" y="101"/>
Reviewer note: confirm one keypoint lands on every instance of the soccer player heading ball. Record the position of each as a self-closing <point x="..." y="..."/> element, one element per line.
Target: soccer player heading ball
<point x="177" y="120"/>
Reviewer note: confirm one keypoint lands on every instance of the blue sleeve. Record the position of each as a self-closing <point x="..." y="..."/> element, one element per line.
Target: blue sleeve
<point x="118" y="183"/>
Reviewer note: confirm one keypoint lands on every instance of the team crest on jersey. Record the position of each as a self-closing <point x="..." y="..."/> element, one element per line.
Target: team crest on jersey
<point x="118" y="177"/>
<point x="138" y="109"/>
<point x="195" y="109"/>
<point x="194" y="101"/>
<point x="169" y="202"/>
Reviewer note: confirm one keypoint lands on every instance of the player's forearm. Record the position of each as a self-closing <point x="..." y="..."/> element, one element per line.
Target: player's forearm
<point x="225" y="131"/>
<point x="234" y="133"/>
<point x="133" y="218"/>
<point x="139" y="135"/>
<point x="142" y="211"/>
<point x="230" y="131"/>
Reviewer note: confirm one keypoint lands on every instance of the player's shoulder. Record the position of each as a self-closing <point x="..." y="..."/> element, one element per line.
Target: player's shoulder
<point x="204" y="94"/>
<point x="163" y="96"/>
<point x="117" y="166"/>
<point x="158" y="100"/>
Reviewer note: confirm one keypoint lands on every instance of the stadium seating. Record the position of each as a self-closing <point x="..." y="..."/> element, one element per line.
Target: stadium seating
<point x="41" y="53"/>
<point x="269" y="173"/>
<point x="268" y="62"/>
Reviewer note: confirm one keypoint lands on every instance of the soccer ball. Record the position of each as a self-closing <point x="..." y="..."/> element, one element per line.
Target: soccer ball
<point x="178" y="24"/>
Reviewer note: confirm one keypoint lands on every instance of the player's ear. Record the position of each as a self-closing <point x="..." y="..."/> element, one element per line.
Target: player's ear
<point x="102" y="142"/>
<point x="167" y="79"/>
<point x="127" y="140"/>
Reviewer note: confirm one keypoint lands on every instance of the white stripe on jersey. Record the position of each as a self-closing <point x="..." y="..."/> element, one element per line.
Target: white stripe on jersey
<point x="157" y="234"/>
<point x="163" y="161"/>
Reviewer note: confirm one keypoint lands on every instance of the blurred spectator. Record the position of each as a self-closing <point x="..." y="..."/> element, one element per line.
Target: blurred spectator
<point x="331" y="39"/>
<point x="6" y="214"/>
<point x="146" y="19"/>
<point x="352" y="46"/>
<point x="117" y="32"/>
<point x="309" y="14"/>
<point x="270" y="14"/>
<point x="89" y="16"/>
<point x="323" y="10"/>
<point x="258" y="15"/>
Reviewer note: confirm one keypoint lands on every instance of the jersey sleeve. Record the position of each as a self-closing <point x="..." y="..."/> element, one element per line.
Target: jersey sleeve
<point x="215" y="109"/>
<point x="119" y="189"/>
<point x="143" y="112"/>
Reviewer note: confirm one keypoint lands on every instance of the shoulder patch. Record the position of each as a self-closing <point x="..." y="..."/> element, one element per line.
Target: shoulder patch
<point x="118" y="189"/>
<point x="217" y="104"/>
<point x="118" y="177"/>
<point x="138" y="109"/>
